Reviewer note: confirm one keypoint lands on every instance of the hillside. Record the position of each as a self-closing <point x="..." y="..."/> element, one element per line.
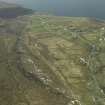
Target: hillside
<point x="11" y="10"/>
<point x="51" y="60"/>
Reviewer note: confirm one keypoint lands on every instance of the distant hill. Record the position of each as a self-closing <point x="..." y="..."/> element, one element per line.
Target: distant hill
<point x="11" y="10"/>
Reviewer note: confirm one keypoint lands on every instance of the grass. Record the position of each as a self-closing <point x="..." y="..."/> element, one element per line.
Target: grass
<point x="64" y="52"/>
<point x="52" y="60"/>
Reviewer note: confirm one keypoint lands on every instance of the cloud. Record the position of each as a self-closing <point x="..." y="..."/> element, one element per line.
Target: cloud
<point x="10" y="1"/>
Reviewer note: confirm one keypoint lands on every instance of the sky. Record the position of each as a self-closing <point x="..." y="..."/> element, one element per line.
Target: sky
<point x="11" y="1"/>
<point x="14" y="1"/>
<point x="92" y="8"/>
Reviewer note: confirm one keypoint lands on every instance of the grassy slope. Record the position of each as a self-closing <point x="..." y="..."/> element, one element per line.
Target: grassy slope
<point x="51" y="60"/>
<point x="18" y="86"/>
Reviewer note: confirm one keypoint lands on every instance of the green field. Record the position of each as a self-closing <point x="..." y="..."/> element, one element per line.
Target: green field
<point x="51" y="60"/>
